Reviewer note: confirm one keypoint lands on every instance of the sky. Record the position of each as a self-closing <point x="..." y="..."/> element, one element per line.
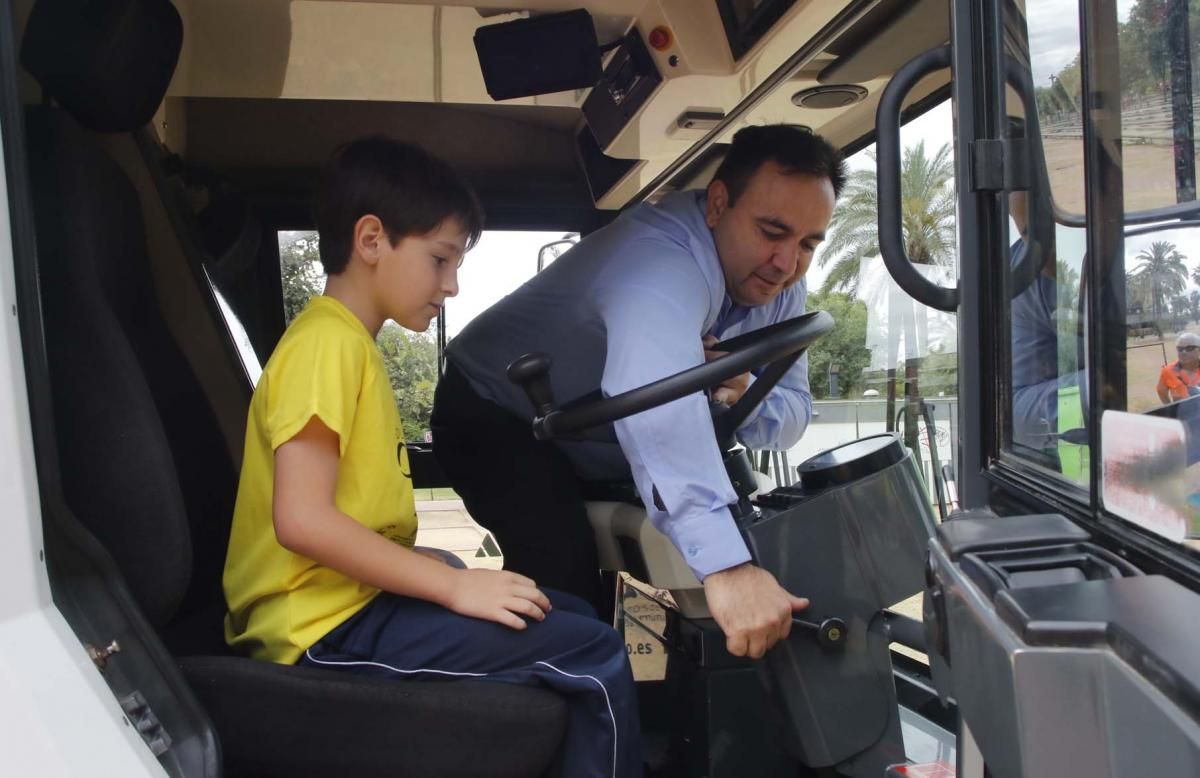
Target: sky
<point x="498" y="264"/>
<point x="1054" y="34"/>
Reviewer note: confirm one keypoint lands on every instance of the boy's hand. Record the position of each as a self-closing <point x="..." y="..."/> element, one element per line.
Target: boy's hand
<point x="731" y="389"/>
<point x="497" y="595"/>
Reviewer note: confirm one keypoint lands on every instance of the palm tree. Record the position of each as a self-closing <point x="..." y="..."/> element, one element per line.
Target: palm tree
<point x="926" y="217"/>
<point x="927" y="227"/>
<point x="1163" y="270"/>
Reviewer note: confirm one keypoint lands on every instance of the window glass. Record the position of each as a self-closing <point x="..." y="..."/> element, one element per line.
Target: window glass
<point x="1157" y="41"/>
<point x="891" y="364"/>
<point x="1044" y="424"/>
<point x="1148" y="470"/>
<point x="237" y="332"/>
<point x="1151" y="432"/>
<point x="498" y="264"/>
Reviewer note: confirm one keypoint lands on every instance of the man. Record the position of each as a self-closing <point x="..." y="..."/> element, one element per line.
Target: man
<point x="1035" y="369"/>
<point x="630" y="304"/>
<point x="1181" y="379"/>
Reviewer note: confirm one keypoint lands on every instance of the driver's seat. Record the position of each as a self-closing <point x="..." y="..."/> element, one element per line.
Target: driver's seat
<point x="627" y="541"/>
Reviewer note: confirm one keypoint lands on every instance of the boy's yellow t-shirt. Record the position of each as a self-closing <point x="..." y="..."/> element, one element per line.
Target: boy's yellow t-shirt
<point x="326" y="365"/>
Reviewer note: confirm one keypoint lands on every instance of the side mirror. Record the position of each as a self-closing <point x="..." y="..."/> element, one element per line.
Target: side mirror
<point x="555" y="249"/>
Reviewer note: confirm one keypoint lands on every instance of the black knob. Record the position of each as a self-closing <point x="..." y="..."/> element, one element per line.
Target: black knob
<point x="830" y="633"/>
<point x="531" y="372"/>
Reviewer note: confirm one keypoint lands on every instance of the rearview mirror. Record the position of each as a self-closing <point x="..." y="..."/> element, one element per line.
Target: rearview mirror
<point x="555" y="249"/>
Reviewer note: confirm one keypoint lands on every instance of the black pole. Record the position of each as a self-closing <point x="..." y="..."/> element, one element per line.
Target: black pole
<point x="1179" y="53"/>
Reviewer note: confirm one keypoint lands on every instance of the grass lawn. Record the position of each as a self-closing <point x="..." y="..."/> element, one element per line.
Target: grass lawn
<point x="440" y="493"/>
<point x="1143" y="362"/>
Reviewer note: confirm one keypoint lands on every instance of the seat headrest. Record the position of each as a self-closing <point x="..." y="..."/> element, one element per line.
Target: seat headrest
<point x="107" y="62"/>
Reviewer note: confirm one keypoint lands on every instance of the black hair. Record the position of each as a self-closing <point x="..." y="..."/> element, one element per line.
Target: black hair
<point x="797" y="151"/>
<point x="409" y="189"/>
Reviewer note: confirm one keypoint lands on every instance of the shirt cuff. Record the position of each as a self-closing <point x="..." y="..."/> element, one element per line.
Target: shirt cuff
<point x="709" y="543"/>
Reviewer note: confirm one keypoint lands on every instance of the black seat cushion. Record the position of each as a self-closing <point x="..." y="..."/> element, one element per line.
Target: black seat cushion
<point x="301" y="721"/>
<point x="108" y="62"/>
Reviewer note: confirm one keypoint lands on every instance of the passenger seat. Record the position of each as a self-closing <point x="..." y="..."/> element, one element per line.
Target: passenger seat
<point x="145" y="466"/>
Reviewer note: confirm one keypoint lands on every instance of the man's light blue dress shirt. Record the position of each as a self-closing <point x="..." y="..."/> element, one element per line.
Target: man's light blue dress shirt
<point x="625" y="307"/>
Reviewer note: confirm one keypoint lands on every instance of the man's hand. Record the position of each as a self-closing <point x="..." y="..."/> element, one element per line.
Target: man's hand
<point x="497" y="595"/>
<point x="732" y="389"/>
<point x="751" y="608"/>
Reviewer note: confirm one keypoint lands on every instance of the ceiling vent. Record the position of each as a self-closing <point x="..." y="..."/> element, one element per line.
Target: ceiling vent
<point x="832" y="96"/>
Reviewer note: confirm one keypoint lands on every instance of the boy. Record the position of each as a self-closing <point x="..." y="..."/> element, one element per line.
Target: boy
<point x="321" y="568"/>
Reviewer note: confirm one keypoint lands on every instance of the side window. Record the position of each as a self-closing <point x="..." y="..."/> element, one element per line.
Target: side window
<point x="1144" y="273"/>
<point x="1150" y="436"/>
<point x="891" y="365"/>
<point x="499" y="263"/>
<point x="1047" y="245"/>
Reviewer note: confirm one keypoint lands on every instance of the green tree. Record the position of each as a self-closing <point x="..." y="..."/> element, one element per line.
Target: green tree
<point x="411" y="362"/>
<point x="1067" y="316"/>
<point x="1067" y="286"/>
<point x="1142" y="52"/>
<point x="410" y="357"/>
<point x="300" y="267"/>
<point x="1163" y="272"/>
<point x="927" y="229"/>
<point x="1137" y="293"/>
<point x="926" y="217"/>
<point x="845" y="346"/>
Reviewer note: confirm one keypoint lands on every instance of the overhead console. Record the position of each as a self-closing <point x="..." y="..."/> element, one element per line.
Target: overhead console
<point x="672" y="75"/>
<point x="627" y="83"/>
<point x="651" y="86"/>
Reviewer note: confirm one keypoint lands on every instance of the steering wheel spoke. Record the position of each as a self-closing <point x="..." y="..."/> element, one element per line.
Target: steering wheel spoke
<point x="778" y="346"/>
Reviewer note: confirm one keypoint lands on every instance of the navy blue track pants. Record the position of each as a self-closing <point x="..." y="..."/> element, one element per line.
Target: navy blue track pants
<point x="571" y="652"/>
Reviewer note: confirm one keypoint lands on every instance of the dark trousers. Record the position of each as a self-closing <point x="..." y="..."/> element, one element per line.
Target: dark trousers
<point x="523" y="490"/>
<point x="571" y="652"/>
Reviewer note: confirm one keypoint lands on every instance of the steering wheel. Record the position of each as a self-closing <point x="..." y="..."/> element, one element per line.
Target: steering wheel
<point x="777" y="345"/>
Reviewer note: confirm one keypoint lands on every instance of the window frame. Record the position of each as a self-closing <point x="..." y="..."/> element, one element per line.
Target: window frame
<point x="993" y="477"/>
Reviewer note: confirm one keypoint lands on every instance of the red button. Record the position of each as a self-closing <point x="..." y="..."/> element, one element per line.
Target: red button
<point x="660" y="39"/>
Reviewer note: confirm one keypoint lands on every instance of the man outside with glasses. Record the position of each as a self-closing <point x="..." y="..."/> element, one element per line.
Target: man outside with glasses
<point x="1181" y="379"/>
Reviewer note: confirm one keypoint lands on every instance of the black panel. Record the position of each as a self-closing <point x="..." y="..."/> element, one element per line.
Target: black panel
<point x="629" y="80"/>
<point x="960" y="536"/>
<point x="538" y="56"/>
<point x="424" y="467"/>
<point x="635" y="563"/>
<point x="1020" y="568"/>
<point x="602" y="171"/>
<point x="746" y="21"/>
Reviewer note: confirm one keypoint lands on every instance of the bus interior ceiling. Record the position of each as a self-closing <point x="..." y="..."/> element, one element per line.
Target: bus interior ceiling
<point x="264" y="91"/>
